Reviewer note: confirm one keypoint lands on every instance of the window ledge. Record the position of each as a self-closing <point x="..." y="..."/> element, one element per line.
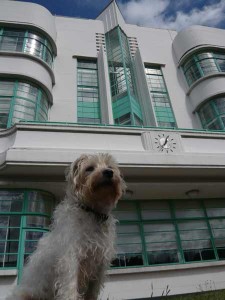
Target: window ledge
<point x="215" y="74"/>
<point x="165" y="268"/>
<point x="9" y="272"/>
<point x="32" y="57"/>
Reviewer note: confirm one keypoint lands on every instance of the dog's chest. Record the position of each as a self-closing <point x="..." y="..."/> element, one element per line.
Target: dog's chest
<point x="96" y="242"/>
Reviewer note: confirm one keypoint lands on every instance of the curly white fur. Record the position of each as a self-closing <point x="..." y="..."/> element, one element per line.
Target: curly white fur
<point x="70" y="260"/>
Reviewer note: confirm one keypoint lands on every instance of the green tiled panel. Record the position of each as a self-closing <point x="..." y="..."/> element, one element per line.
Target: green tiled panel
<point x="121" y="107"/>
<point x="92" y="115"/>
<point x="88" y="104"/>
<point x="136" y="108"/>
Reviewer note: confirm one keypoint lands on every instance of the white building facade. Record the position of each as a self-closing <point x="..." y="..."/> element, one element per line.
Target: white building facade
<point x="153" y="98"/>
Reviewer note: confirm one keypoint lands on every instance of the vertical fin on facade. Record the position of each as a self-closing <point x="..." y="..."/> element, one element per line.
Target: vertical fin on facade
<point x="111" y="16"/>
<point x="149" y="117"/>
<point x="104" y="88"/>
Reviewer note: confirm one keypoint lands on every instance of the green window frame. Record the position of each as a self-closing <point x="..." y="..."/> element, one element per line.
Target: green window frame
<point x="125" y="103"/>
<point x="25" y="215"/>
<point x="160" y="97"/>
<point x="203" y="63"/>
<point x="164" y="232"/>
<point x="20" y="100"/>
<point x="88" y="102"/>
<point x="212" y="114"/>
<point x="26" y="41"/>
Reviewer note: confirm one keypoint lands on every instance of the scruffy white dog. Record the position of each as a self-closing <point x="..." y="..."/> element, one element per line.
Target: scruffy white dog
<point x="70" y="261"/>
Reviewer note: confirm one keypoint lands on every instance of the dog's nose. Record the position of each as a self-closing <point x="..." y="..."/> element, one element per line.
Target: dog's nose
<point x="108" y="173"/>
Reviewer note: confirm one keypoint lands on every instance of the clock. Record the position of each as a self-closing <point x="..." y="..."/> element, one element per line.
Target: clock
<point x="165" y="143"/>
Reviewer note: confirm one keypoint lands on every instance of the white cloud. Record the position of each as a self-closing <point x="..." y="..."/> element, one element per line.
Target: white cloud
<point x="151" y="13"/>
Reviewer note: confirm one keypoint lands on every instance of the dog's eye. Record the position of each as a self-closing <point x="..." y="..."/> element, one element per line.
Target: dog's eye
<point x="90" y="169"/>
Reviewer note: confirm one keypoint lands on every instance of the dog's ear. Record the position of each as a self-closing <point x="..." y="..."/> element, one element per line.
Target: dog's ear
<point x="75" y="166"/>
<point x="78" y="162"/>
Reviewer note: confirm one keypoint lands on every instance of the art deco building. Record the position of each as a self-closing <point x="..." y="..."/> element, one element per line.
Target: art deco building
<point x="153" y="98"/>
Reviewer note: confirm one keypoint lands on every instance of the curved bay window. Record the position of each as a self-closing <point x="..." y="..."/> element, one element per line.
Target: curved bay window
<point x="202" y="64"/>
<point x="26" y="41"/>
<point x="22" y="101"/>
<point x="158" y="232"/>
<point x="212" y="114"/>
<point x="24" y="218"/>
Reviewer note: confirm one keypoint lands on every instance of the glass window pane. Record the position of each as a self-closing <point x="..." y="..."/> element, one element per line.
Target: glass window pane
<point x="30" y="246"/>
<point x="126" y="211"/>
<point x="202" y="64"/>
<point x="34" y="235"/>
<point x="29" y="42"/>
<point x="128" y="260"/>
<point x="37" y="221"/>
<point x="154" y="210"/>
<point x="11" y="201"/>
<point x="212" y="113"/>
<point x="188" y="209"/>
<point x="88" y="97"/>
<point x="8" y="260"/>
<point x="162" y="257"/>
<point x="215" y="207"/>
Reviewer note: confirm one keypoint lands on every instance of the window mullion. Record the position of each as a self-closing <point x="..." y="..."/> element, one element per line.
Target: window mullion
<point x="25" y="41"/>
<point x="198" y="66"/>
<point x="216" y="63"/>
<point x="22" y="237"/>
<point x="217" y="114"/>
<point x="12" y="104"/>
<point x="37" y="107"/>
<point x="144" y="251"/>
<point x="43" y="50"/>
<point x="210" y="230"/>
<point x="179" y="243"/>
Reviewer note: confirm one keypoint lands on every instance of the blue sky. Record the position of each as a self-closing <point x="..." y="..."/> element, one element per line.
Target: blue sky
<point x="173" y="14"/>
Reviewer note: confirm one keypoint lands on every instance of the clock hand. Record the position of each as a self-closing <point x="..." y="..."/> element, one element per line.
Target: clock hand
<point x="166" y="140"/>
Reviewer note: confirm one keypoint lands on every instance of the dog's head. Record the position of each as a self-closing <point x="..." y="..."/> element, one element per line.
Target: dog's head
<point x="96" y="181"/>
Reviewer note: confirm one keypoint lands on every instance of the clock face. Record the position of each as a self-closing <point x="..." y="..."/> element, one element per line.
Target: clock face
<point x="165" y="143"/>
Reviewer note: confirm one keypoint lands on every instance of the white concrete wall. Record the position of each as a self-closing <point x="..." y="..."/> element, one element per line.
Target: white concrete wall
<point x="26" y="67"/>
<point x="206" y="88"/>
<point x="195" y="36"/>
<point x="180" y="280"/>
<point x="75" y="37"/>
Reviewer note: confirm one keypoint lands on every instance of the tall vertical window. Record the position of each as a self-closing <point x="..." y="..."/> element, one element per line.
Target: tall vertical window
<point x="169" y="232"/>
<point x="22" y="101"/>
<point x="24" y="218"/>
<point x="26" y="41"/>
<point x="202" y="64"/>
<point x="160" y="97"/>
<point x="126" y="107"/>
<point x="212" y="114"/>
<point x="88" y="103"/>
